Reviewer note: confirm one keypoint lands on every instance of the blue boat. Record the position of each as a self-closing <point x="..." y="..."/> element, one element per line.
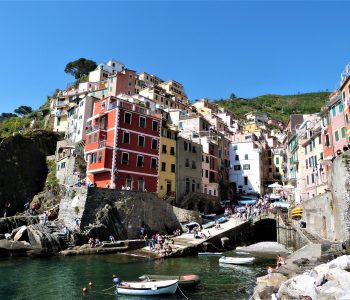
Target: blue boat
<point x="222" y="220"/>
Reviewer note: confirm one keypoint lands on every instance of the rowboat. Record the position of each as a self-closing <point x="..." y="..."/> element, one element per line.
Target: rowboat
<point x="236" y="260"/>
<point x="182" y="280"/>
<point x="146" y="288"/>
<point x="210" y="253"/>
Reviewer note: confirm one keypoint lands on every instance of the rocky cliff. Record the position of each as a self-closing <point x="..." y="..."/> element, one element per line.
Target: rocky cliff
<point x="23" y="168"/>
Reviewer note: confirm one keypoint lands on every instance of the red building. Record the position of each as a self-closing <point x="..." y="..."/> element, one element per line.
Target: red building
<point x="122" y="145"/>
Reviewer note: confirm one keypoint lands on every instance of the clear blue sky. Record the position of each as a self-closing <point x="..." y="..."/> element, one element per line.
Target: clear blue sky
<point x="213" y="48"/>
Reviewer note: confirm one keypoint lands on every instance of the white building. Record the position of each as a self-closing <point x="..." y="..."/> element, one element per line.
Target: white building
<point x="246" y="165"/>
<point x="104" y="70"/>
<point x="77" y="117"/>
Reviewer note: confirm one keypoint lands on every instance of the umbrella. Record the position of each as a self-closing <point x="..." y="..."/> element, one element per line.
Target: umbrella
<point x="289" y="186"/>
<point x="275" y="185"/>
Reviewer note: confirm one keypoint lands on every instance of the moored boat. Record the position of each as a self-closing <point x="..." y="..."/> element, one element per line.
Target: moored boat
<point x="222" y="220"/>
<point x="182" y="280"/>
<point x="236" y="260"/>
<point x="209" y="253"/>
<point x="147" y="288"/>
<point x="208" y="225"/>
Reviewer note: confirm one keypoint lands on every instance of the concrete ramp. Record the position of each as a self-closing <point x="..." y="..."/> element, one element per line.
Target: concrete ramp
<point x="310" y="251"/>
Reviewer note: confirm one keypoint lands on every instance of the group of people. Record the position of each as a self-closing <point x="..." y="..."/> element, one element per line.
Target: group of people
<point x="94" y="242"/>
<point x="280" y="261"/>
<point x="158" y="242"/>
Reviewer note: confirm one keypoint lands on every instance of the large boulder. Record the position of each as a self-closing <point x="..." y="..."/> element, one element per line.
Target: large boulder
<point x="14" y="248"/>
<point x="336" y="285"/>
<point x="21" y="234"/>
<point x="342" y="262"/>
<point x="42" y="241"/>
<point x="301" y="285"/>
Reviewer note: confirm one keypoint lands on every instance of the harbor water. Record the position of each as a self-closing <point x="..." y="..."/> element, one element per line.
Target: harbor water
<point x="65" y="277"/>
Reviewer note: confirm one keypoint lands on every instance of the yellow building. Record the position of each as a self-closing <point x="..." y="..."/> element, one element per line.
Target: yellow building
<point x="253" y="127"/>
<point x="167" y="165"/>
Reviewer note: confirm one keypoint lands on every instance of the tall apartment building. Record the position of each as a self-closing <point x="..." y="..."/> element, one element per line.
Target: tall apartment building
<point x="122" y="146"/>
<point x="246" y="161"/>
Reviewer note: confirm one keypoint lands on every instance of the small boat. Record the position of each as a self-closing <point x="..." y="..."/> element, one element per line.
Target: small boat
<point x="208" y="216"/>
<point x="182" y="280"/>
<point x="208" y="225"/>
<point x="209" y="253"/>
<point x="222" y="220"/>
<point x="236" y="260"/>
<point x="146" y="288"/>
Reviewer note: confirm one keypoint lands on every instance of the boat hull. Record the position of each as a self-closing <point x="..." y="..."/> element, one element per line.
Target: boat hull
<point x="237" y="260"/>
<point x="183" y="281"/>
<point x="147" y="288"/>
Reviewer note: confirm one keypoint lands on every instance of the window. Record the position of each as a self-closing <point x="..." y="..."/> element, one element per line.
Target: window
<point x="235" y="147"/>
<point x="154" y="163"/>
<point x="321" y="155"/>
<point x="336" y="136"/>
<point x="277" y="160"/>
<point x="194" y="149"/>
<point x="103" y="105"/>
<point x="89" y="139"/>
<point x="319" y="140"/>
<point x="63" y="165"/>
<point x="139" y="162"/>
<point x="237" y="157"/>
<point x="142" y="122"/>
<point x="154" y="125"/>
<point x="125" y="158"/>
<point x="154" y="144"/>
<point x="270" y="161"/>
<point x="95" y="137"/>
<point x="246" y="156"/>
<point x="343" y="132"/>
<point x="340" y="106"/>
<point x="99" y="156"/>
<point x="277" y="170"/>
<point x="127" y="118"/>
<point x="172" y="168"/>
<point x="187" y="163"/>
<point x="246" y="167"/>
<point x="185" y="146"/>
<point x="206" y="173"/>
<point x="172" y="150"/>
<point x="207" y="159"/>
<point x="327" y="140"/>
<point x="193" y="164"/>
<point x="141" y="141"/>
<point x="164" y="149"/>
<point x="163" y="166"/>
<point x="237" y="167"/>
<point x="126" y="138"/>
<point x="305" y="149"/>
<point x="141" y="184"/>
<point x="306" y="164"/>
<point x="93" y="158"/>
<point x="312" y="178"/>
<point x="245" y="180"/>
<point x="270" y="170"/>
<point x="307" y="179"/>
<point x="347" y="119"/>
<point x="333" y="112"/>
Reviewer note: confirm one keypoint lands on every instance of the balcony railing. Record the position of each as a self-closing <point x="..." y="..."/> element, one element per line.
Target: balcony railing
<point x="60" y="113"/>
<point x="93" y="128"/>
<point x="60" y="103"/>
<point x="104" y="144"/>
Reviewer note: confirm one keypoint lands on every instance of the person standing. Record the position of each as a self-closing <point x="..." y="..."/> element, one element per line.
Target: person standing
<point x="44" y="217"/>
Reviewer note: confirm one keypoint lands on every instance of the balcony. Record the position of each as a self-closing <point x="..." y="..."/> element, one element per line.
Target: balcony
<point x="93" y="128"/>
<point x="60" y="103"/>
<point x="60" y="113"/>
<point x="104" y="144"/>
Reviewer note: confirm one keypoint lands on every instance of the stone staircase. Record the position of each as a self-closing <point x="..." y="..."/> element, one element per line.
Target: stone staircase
<point x="56" y="230"/>
<point x="312" y="237"/>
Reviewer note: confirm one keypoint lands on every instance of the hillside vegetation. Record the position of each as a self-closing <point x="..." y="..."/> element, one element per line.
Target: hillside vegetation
<point x="279" y="107"/>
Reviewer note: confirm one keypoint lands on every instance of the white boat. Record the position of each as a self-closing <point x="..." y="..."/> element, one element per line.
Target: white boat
<point x="209" y="253"/>
<point x="236" y="260"/>
<point x="147" y="288"/>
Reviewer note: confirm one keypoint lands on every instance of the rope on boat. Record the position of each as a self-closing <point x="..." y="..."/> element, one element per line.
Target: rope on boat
<point x="114" y="285"/>
<point x="181" y="290"/>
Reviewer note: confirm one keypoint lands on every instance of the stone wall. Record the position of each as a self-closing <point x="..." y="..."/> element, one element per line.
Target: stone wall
<point x="319" y="216"/>
<point x="340" y="189"/>
<point x="121" y="213"/>
<point x="290" y="237"/>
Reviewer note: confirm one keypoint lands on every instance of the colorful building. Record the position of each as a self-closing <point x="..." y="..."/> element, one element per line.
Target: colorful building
<point x="167" y="176"/>
<point x="122" y="146"/>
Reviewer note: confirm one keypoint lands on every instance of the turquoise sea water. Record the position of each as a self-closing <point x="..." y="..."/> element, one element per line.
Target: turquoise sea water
<point x="64" y="277"/>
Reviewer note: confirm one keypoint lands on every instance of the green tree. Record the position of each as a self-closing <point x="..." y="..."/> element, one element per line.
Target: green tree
<point x="23" y="110"/>
<point x="4" y="116"/>
<point x="80" y="67"/>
